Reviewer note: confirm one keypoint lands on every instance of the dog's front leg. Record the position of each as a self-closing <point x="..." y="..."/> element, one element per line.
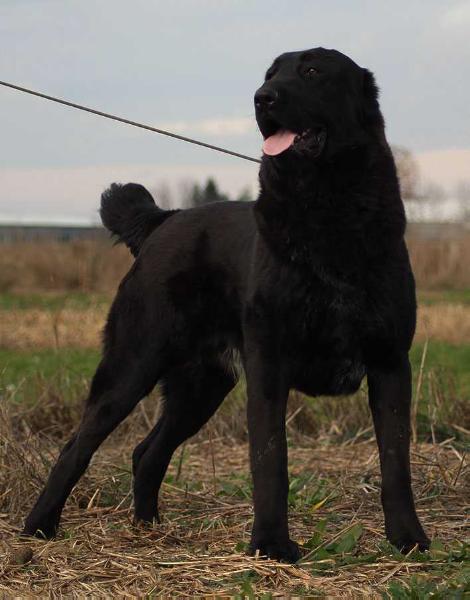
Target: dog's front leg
<point x="267" y="398"/>
<point x="390" y="399"/>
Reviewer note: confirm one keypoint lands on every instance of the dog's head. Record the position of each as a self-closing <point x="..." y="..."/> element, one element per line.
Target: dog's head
<point x="316" y="102"/>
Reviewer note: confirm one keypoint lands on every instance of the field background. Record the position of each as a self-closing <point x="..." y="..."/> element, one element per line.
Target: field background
<point x="53" y="302"/>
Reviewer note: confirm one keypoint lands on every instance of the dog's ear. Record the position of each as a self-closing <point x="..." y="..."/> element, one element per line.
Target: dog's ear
<point x="373" y="119"/>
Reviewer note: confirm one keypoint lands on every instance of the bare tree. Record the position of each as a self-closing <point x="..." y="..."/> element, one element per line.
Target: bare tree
<point x="185" y="193"/>
<point x="197" y="195"/>
<point x="408" y="172"/>
<point x="432" y="191"/>
<point x="245" y="195"/>
<point x="191" y="193"/>
<point x="163" y="196"/>
<point x="462" y="193"/>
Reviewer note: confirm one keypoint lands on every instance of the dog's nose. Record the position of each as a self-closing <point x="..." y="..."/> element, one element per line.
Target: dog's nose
<point x="266" y="98"/>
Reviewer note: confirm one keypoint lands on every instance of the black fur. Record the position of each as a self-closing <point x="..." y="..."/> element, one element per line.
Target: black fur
<point x="311" y="285"/>
<point x="130" y="213"/>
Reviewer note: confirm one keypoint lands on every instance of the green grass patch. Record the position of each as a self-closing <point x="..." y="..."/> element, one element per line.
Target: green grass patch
<point x="430" y="297"/>
<point x="445" y="568"/>
<point x="309" y="490"/>
<point x="447" y="574"/>
<point x="29" y="377"/>
<point x="443" y="357"/>
<point x="457" y="587"/>
<point x="20" y="365"/>
<point x="235" y="485"/>
<point x="52" y="300"/>
<point x="82" y="300"/>
<point x="324" y="554"/>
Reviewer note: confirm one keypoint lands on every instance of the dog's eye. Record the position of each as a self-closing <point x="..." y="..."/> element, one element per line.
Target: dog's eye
<point x="311" y="72"/>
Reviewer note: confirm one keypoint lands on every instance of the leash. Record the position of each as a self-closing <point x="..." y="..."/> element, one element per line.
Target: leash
<point x="128" y="121"/>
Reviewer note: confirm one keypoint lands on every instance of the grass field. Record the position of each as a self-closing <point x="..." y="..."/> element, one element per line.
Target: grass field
<point x="49" y="348"/>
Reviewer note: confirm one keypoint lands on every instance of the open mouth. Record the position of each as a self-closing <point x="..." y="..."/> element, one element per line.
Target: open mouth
<point x="310" y="142"/>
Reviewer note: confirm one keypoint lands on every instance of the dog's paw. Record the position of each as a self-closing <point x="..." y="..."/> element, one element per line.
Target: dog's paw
<point x="283" y="551"/>
<point x="46" y="530"/>
<point x="405" y="544"/>
<point x="140" y="523"/>
<point x="407" y="535"/>
<point x="146" y="515"/>
<point x="42" y="524"/>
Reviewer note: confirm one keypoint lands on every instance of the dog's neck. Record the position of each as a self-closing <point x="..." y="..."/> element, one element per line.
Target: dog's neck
<point x="318" y="211"/>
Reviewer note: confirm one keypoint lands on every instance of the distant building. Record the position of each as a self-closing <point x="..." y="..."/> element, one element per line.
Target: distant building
<point x="444" y="218"/>
<point x="30" y="232"/>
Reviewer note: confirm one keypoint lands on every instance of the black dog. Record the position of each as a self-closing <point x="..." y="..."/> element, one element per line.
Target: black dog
<point x="311" y="284"/>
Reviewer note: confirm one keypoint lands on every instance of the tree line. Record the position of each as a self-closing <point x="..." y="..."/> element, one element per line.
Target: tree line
<point x="210" y="192"/>
<point x="192" y="194"/>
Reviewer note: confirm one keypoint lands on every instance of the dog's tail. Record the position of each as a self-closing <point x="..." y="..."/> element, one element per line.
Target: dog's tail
<point x="129" y="212"/>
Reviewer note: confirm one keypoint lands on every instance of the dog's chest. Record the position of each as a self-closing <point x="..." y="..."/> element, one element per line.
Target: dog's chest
<point x="321" y="339"/>
<point x="320" y="316"/>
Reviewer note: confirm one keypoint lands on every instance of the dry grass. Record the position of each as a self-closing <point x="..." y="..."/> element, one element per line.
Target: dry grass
<point x="444" y="322"/>
<point x="81" y="265"/>
<point x="39" y="328"/>
<point x="81" y="328"/>
<point x="98" y="266"/>
<point x="440" y="263"/>
<point x="199" y="548"/>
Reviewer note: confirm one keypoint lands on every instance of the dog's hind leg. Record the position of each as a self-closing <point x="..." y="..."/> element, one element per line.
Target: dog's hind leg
<point x="192" y="394"/>
<point x="122" y="379"/>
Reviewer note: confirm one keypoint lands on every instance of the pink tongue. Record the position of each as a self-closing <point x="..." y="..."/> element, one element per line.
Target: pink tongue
<point x="277" y="143"/>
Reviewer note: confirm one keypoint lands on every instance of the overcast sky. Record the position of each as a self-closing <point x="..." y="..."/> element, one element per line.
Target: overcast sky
<point x="193" y="66"/>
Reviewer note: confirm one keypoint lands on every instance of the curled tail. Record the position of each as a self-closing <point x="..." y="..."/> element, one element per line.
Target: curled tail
<point x="129" y="212"/>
